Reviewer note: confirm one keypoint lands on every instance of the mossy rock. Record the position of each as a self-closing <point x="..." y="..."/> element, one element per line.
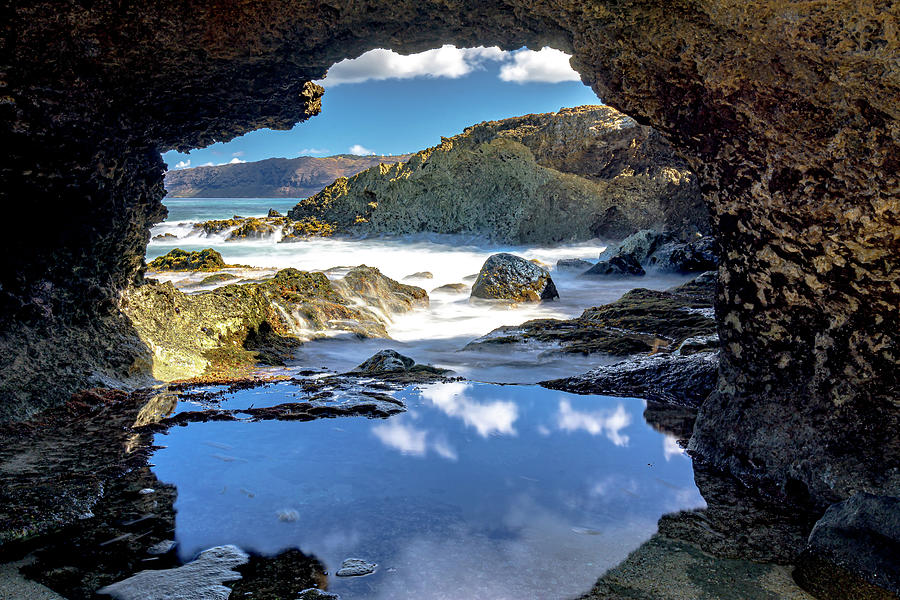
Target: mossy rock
<point x="181" y="260"/>
<point x="217" y="278"/>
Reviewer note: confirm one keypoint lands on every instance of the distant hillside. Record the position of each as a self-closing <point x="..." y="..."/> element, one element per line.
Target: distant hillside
<point x="579" y="173"/>
<point x="272" y="178"/>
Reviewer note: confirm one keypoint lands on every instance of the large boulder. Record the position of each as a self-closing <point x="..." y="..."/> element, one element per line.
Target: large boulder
<point x="626" y="258"/>
<point x="182" y="260"/>
<point x="618" y="266"/>
<point x="509" y="277"/>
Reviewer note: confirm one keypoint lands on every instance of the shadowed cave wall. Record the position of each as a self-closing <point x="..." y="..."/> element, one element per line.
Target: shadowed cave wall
<point x="788" y="111"/>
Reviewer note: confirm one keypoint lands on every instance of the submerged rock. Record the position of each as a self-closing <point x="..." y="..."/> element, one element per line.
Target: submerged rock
<point x="273" y="213"/>
<point x="420" y="275"/>
<point x="641" y="321"/>
<point x="617" y="266"/>
<point x="573" y="264"/>
<point x="200" y="579"/>
<point x="854" y="550"/>
<point x="386" y="361"/>
<point x="509" y="277"/>
<point x="355" y="567"/>
<point x="217" y="278"/>
<point x="452" y="288"/>
<point x="317" y="594"/>
<point x="180" y="260"/>
<point x="165" y="236"/>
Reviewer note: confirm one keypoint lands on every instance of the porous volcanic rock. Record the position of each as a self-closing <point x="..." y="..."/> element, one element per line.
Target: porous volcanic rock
<point x="789" y="118"/>
<point x="576" y="174"/>
<point x="181" y="260"/>
<point x="509" y="277"/>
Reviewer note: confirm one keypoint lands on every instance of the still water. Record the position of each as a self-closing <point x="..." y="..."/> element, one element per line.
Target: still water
<point x="477" y="491"/>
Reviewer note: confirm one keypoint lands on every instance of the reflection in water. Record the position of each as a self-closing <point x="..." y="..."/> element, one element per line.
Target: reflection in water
<point x="477" y="491"/>
<point x="608" y="422"/>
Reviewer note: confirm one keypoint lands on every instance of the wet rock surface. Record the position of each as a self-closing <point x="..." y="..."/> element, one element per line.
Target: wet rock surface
<point x="249" y="228"/>
<point x="180" y="260"/>
<point x="234" y="327"/>
<point x="684" y="380"/>
<point x="854" y="550"/>
<point x="355" y="567"/>
<point x="642" y="321"/>
<point x="650" y="249"/>
<point x="508" y="277"/>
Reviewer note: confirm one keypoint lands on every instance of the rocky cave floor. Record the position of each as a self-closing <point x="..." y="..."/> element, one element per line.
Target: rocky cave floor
<point x="81" y="508"/>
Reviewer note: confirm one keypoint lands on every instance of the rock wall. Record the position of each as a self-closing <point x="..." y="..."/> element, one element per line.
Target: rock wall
<point x="576" y="174"/>
<point x="787" y="111"/>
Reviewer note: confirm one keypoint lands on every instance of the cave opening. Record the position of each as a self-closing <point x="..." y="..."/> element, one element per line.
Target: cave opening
<point x="787" y="117"/>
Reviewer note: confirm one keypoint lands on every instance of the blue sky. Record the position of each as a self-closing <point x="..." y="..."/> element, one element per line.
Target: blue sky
<point x="384" y="103"/>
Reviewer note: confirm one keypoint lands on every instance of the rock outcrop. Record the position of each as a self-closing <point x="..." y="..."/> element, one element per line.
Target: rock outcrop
<point x="788" y="115"/>
<point x="509" y="277"/>
<point x="659" y="251"/>
<point x="228" y="330"/>
<point x="181" y="260"/>
<point x="271" y="178"/>
<point x="577" y="174"/>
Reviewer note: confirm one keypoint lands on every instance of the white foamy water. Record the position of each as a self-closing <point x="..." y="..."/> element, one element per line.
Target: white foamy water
<point x="437" y="334"/>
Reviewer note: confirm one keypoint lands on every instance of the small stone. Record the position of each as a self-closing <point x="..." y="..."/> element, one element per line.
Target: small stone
<point x="288" y="515"/>
<point x="420" y="275"/>
<point x="573" y="264"/>
<point x="161" y="547"/>
<point x="355" y="567"/>
<point x="317" y="594"/>
<point x="386" y="361"/>
<point x="451" y="288"/>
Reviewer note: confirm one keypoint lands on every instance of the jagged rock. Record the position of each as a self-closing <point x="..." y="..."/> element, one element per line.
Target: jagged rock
<point x="452" y="288"/>
<point x="508" y="277"/>
<point x="254" y="229"/>
<point x="685" y="380"/>
<point x="317" y="594"/>
<point x="274" y="213"/>
<point x="639" y="245"/>
<point x="217" y="278"/>
<point x="617" y="266"/>
<point x="854" y="550"/>
<point x="200" y="579"/>
<point x="180" y="260"/>
<point x="386" y="361"/>
<point x="577" y="174"/>
<point x="355" y="567"/>
<point x="165" y="236"/>
<point x="686" y="257"/>
<point x="573" y="264"/>
<point x="231" y="328"/>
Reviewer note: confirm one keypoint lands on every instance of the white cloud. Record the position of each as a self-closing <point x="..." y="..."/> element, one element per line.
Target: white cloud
<point x="240" y="153"/>
<point x="314" y="151"/>
<point x="209" y="164"/>
<point x="548" y="66"/>
<point x="522" y="66"/>
<point x="608" y="422"/>
<point x="447" y="61"/>
<point x="183" y="164"/>
<point x="361" y="150"/>
<point x="236" y="161"/>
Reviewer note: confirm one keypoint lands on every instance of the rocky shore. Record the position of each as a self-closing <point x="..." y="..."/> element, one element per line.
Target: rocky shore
<point x="577" y="174"/>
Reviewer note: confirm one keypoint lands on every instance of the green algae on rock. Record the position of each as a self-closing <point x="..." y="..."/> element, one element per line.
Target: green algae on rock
<point x="181" y="260"/>
<point x="230" y="329"/>
<point x="573" y="175"/>
<point x="509" y="277"/>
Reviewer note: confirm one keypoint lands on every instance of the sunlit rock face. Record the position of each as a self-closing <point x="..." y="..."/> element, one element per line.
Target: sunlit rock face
<point x="789" y="115"/>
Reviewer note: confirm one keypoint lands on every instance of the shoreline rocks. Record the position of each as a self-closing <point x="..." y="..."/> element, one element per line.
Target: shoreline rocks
<point x="231" y="328"/>
<point x="577" y="174"/>
<point x="509" y="277"/>
<point x="650" y="249"/>
<point x="181" y="260"/>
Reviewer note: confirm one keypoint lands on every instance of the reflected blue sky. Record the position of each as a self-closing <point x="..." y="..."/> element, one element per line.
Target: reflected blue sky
<point x="477" y="491"/>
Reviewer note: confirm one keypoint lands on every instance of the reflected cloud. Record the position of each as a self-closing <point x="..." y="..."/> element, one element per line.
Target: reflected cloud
<point x="411" y="440"/>
<point x="404" y="438"/>
<point x="671" y="447"/>
<point x="485" y="417"/>
<point x="607" y="422"/>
